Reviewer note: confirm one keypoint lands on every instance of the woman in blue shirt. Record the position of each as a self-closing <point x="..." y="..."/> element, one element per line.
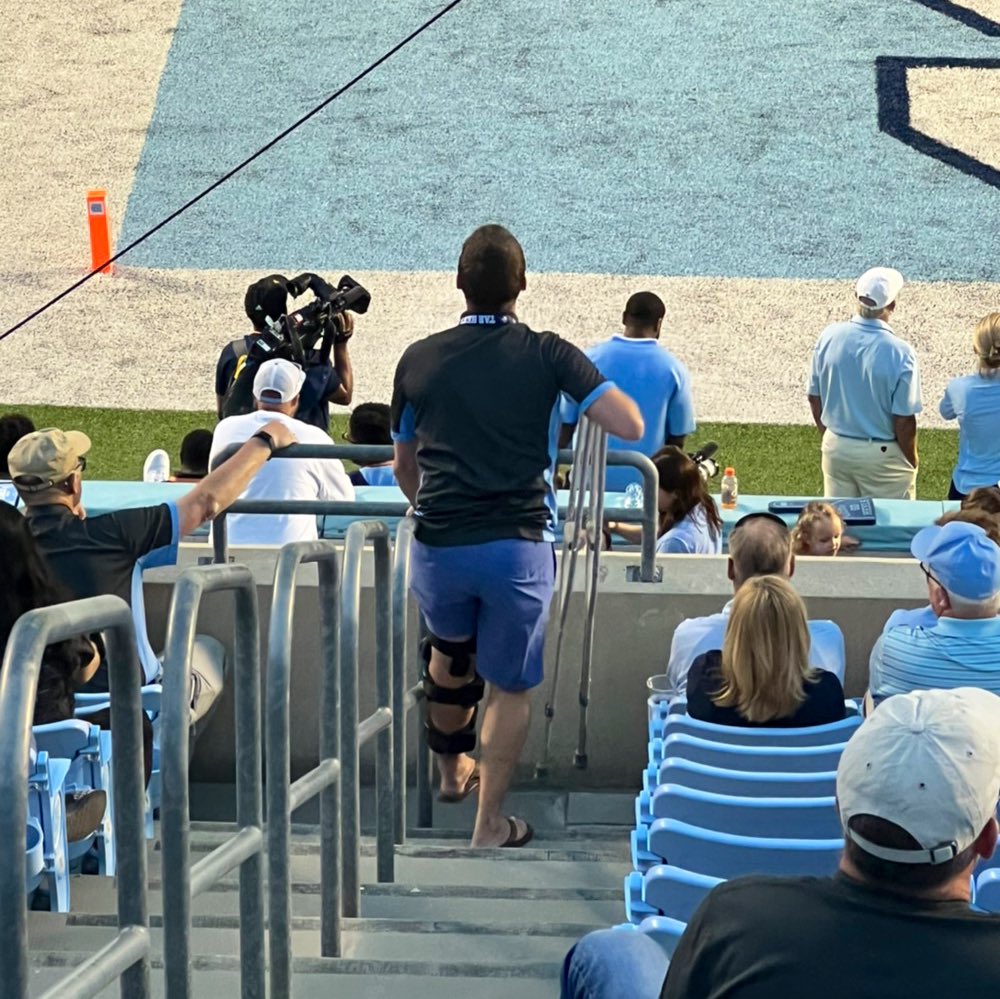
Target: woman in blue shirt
<point x="689" y="521"/>
<point x="974" y="400"/>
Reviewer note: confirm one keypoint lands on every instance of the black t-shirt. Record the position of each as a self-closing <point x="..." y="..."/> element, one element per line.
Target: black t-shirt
<point x="831" y="938"/>
<point x="322" y="381"/>
<point x="480" y="401"/>
<point x="824" y="701"/>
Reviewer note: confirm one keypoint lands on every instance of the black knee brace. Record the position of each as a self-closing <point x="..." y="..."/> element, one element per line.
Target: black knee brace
<point x="467" y="696"/>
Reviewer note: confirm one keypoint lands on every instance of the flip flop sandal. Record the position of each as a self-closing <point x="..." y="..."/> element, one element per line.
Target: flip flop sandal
<point x="513" y="840"/>
<point x="471" y="784"/>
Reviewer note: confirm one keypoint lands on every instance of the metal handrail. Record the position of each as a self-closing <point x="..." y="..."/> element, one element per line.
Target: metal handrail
<point x="648" y="516"/>
<point x="283" y="797"/>
<point x="127" y="955"/>
<point x="182" y="881"/>
<point x="353" y="734"/>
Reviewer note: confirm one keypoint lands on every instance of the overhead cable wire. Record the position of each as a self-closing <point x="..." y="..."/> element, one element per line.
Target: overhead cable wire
<point x="236" y="169"/>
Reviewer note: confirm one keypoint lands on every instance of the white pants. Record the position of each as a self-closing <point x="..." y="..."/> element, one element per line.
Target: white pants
<point x="866" y="468"/>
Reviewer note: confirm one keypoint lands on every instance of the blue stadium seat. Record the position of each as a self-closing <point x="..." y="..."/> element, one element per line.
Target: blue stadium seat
<point x="675" y="892"/>
<point x="636" y="910"/>
<point x="34" y="855"/>
<point x="988" y="890"/>
<point x="767" y="784"/>
<point x="47" y="810"/>
<point x="726" y="855"/>
<point x="794" y="818"/>
<point x="664" y="930"/>
<point x="816" y="735"/>
<point x="88" y="750"/>
<point x="758" y="759"/>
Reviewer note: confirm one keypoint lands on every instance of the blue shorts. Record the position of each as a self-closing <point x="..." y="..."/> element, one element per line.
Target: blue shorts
<point x="499" y="593"/>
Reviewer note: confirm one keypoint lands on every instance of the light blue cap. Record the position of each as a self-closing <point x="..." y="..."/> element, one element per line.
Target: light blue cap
<point x="961" y="557"/>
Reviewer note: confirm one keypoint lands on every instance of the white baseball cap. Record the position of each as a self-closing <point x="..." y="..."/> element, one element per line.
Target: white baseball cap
<point x="928" y="761"/>
<point x="278" y="381"/>
<point x="879" y="287"/>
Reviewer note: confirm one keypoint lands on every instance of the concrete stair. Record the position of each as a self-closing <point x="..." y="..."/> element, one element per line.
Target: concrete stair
<point x="455" y="922"/>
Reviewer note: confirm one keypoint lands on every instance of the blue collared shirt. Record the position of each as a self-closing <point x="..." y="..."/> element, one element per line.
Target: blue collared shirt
<point x="661" y="387"/>
<point x="949" y="653"/>
<point x="691" y="536"/>
<point x="974" y="401"/>
<point x="864" y="375"/>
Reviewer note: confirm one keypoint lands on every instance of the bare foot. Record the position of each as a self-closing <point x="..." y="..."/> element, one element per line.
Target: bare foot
<point x="504" y="832"/>
<point x="455" y="778"/>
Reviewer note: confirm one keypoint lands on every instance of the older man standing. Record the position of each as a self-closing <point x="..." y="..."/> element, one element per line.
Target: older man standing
<point x="864" y="391"/>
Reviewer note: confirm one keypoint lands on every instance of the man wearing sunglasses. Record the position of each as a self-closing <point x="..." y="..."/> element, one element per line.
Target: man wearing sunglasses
<point x="960" y="647"/>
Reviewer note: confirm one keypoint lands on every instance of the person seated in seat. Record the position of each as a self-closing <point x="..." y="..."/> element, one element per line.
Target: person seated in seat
<point x="13" y="426"/>
<point x="820" y="531"/>
<point x="759" y="545"/>
<point x="370" y="424"/>
<point x="762" y="676"/>
<point x="985" y="499"/>
<point x="955" y="642"/>
<point x="917" y="791"/>
<point x="689" y="520"/>
<point x="195" y="449"/>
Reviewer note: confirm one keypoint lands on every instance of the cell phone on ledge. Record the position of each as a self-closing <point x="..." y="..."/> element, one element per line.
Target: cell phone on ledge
<point x="859" y="512"/>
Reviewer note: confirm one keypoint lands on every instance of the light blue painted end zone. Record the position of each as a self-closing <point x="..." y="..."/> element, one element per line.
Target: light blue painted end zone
<point x="672" y="137"/>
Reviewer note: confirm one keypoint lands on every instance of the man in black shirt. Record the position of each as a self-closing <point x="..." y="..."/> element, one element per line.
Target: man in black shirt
<point x="106" y="554"/>
<point x="917" y="789"/>
<point x="475" y="423"/>
<point x="267" y="299"/>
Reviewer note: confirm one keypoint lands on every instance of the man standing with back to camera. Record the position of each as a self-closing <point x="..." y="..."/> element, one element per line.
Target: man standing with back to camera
<point x="475" y="422"/>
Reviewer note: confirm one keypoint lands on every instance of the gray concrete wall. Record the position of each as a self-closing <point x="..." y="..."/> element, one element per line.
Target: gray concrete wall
<point x="634" y="626"/>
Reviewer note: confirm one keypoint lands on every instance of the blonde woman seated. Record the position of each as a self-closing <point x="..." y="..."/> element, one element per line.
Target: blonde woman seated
<point x="762" y="675"/>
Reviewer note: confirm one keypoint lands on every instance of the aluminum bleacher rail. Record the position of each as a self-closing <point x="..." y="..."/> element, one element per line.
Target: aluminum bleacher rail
<point x="648" y="516"/>
<point x="127" y="955"/>
<point x="283" y="797"/>
<point x="183" y="881"/>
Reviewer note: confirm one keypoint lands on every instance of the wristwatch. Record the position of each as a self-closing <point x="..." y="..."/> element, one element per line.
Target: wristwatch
<point x="263" y="435"/>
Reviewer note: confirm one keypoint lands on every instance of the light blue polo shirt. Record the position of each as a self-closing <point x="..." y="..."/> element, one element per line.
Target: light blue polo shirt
<point x="974" y="401"/>
<point x="661" y="387"/>
<point x="950" y="653"/>
<point x="864" y="375"/>
<point x="692" y="536"/>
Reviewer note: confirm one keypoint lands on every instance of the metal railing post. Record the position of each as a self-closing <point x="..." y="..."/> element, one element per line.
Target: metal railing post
<point x="127" y="955"/>
<point x="354" y="734"/>
<point x="400" y="661"/>
<point x="181" y="882"/>
<point x="279" y="788"/>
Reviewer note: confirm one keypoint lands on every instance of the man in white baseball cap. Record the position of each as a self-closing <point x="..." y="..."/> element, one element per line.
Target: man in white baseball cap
<point x="276" y="388"/>
<point x="864" y="392"/>
<point x="917" y="790"/>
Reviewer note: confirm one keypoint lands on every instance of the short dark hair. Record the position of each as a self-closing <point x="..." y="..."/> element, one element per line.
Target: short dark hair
<point x="369" y="424"/>
<point x="195" y="449"/>
<point x="909" y="877"/>
<point x="491" y="267"/>
<point x="266" y="297"/>
<point x="644" y="309"/>
<point x="13" y="427"/>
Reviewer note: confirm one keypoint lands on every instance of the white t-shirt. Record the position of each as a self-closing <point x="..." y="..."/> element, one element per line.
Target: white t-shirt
<point x="285" y="478"/>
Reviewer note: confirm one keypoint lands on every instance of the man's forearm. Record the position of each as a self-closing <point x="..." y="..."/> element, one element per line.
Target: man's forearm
<point x="409" y="482"/>
<point x="816" y="405"/>
<point x="345" y="371"/>
<point x="905" y="428"/>
<point x="222" y="487"/>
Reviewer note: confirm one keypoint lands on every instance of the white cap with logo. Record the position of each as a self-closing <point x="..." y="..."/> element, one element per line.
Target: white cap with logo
<point x="879" y="287"/>
<point x="928" y="761"/>
<point x="278" y="381"/>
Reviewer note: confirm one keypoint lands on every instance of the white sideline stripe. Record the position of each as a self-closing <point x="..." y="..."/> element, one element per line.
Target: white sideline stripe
<point x="149" y="338"/>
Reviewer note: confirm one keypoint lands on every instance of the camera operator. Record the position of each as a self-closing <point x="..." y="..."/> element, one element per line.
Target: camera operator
<point x="327" y="379"/>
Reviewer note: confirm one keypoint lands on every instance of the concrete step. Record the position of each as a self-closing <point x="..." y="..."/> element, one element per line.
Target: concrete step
<point x="601" y="906"/>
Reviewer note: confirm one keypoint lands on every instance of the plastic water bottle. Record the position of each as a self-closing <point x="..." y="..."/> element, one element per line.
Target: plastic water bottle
<point x="633" y="496"/>
<point x="730" y="489"/>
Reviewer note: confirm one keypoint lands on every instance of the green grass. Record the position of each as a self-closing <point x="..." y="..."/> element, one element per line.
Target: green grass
<point x="780" y="460"/>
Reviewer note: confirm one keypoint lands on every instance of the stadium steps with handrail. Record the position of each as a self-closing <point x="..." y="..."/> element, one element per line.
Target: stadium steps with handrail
<point x="484" y="923"/>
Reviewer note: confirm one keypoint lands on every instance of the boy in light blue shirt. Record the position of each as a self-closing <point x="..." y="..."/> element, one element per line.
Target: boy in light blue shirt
<point x="657" y="380"/>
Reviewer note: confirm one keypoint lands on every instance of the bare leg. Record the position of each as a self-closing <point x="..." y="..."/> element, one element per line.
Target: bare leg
<point x="501" y="738"/>
<point x="455" y="769"/>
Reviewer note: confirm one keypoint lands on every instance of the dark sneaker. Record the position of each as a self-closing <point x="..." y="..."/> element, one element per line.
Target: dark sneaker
<point x="84" y="813"/>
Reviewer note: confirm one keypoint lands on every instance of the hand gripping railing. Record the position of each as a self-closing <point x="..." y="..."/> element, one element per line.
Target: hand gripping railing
<point x="183" y="881"/>
<point x="354" y="734"/>
<point x="127" y="955"/>
<point x="283" y="797"/>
